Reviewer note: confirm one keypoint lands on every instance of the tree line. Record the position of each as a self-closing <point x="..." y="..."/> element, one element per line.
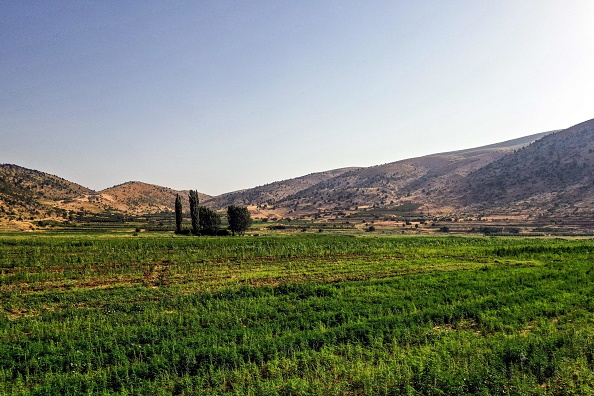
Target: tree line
<point x="206" y="221"/>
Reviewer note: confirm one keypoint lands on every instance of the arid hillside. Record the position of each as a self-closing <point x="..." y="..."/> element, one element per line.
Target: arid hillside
<point x="27" y="196"/>
<point x="546" y="175"/>
<point x="27" y="193"/>
<point x="142" y="198"/>
<point x="383" y="185"/>
<point x="552" y="176"/>
<point x="269" y="194"/>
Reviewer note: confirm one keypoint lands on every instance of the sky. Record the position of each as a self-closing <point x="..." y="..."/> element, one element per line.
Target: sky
<point x="225" y="95"/>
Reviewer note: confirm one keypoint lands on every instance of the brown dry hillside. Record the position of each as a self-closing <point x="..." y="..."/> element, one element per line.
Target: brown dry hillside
<point x="269" y="194"/>
<point x="546" y="174"/>
<point x="393" y="183"/>
<point x="142" y="198"/>
<point x="30" y="193"/>
<point x="554" y="174"/>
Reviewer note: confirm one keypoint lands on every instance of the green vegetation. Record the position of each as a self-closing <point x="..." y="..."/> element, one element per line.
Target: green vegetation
<point x="194" y="212"/>
<point x="210" y="221"/>
<point x="178" y="214"/>
<point x="239" y="219"/>
<point x="295" y="315"/>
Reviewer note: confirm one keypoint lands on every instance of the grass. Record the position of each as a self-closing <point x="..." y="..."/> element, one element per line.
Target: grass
<point x="295" y="315"/>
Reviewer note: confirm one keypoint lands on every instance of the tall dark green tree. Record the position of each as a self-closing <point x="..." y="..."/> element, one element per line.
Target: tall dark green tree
<point x="210" y="221"/>
<point x="194" y="212"/>
<point x="239" y="219"/>
<point x="178" y="214"/>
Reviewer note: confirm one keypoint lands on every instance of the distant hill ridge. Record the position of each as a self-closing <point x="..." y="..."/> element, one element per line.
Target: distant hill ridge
<point x="545" y="174"/>
<point x="25" y="192"/>
<point x="273" y="192"/>
<point x="388" y="184"/>
<point x="550" y="175"/>
<point x="137" y="197"/>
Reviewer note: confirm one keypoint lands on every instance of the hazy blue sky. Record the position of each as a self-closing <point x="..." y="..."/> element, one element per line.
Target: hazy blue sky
<point x="225" y="95"/>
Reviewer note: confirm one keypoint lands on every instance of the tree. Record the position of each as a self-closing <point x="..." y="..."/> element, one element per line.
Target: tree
<point x="178" y="214"/>
<point x="194" y="211"/>
<point x="239" y="219"/>
<point x="210" y="221"/>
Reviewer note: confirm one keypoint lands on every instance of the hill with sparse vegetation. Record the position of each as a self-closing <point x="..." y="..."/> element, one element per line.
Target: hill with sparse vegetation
<point x="27" y="194"/>
<point x="141" y="198"/>
<point x="383" y="185"/>
<point x="269" y="194"/>
<point x="545" y="175"/>
<point x="551" y="177"/>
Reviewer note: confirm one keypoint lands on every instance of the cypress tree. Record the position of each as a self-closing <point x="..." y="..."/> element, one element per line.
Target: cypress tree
<point x="178" y="214"/>
<point x="194" y="212"/>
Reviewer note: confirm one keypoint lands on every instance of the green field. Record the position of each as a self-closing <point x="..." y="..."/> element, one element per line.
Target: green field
<point x="153" y="314"/>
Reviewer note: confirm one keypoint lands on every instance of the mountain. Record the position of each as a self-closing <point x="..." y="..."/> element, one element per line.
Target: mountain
<point x="552" y="176"/>
<point x="381" y="185"/>
<point x="28" y="195"/>
<point x="26" y="192"/>
<point x="546" y="175"/>
<point x="142" y="198"/>
<point x="27" y="183"/>
<point x="270" y="193"/>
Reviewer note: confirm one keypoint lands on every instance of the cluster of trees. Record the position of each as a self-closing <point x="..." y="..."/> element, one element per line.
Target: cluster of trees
<point x="206" y="221"/>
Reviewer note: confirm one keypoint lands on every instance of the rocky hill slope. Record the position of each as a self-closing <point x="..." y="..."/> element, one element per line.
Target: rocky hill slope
<point x="142" y="198"/>
<point x="388" y="184"/>
<point x="554" y="175"/>
<point x="271" y="193"/>
<point x="26" y="193"/>
<point x="542" y="175"/>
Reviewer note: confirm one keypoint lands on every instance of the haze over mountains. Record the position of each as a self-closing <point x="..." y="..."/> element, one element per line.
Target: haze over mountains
<point x="546" y="174"/>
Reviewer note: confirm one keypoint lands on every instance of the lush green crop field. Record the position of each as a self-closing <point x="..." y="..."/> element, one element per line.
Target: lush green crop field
<point x="295" y="315"/>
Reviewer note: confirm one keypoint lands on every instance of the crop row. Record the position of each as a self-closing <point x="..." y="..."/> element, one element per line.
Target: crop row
<point x="379" y="316"/>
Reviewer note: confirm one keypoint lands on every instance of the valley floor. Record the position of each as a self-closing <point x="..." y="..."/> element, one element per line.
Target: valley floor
<point x="104" y="313"/>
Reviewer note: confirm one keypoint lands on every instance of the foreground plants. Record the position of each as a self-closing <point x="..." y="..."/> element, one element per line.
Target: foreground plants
<point x="101" y="314"/>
